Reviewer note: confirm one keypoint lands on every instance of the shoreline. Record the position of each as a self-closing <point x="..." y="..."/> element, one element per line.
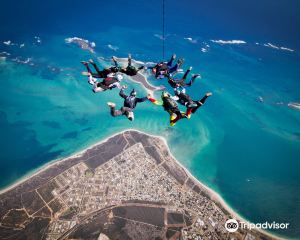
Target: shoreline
<point x="47" y="165"/>
<point x="215" y="196"/>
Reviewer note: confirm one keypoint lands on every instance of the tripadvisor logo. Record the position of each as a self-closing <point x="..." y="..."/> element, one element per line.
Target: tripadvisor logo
<point x="232" y="225"/>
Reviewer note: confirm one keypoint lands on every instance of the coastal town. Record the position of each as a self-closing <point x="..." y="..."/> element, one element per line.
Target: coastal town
<point x="128" y="187"/>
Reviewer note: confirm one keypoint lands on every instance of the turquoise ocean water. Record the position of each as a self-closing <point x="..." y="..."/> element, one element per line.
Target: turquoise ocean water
<point x="244" y="143"/>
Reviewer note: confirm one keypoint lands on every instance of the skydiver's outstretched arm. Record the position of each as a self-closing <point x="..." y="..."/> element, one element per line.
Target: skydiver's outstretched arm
<point x="140" y="68"/>
<point x="141" y="99"/>
<point x="154" y="101"/>
<point x="122" y="94"/>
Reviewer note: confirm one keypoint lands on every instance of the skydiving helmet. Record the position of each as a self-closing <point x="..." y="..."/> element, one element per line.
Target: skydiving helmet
<point x="165" y="94"/>
<point x="133" y="93"/>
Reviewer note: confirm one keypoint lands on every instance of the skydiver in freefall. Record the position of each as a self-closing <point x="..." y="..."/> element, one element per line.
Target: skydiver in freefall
<point x="163" y="69"/>
<point x="130" y="103"/>
<point x="99" y="73"/>
<point x="169" y="104"/>
<point x="107" y="83"/>
<point x="130" y="70"/>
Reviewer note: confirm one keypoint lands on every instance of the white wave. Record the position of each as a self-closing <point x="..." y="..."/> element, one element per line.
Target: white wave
<point x="22" y="45"/>
<point x="18" y="60"/>
<point x="287" y="49"/>
<point x="270" y="45"/>
<point x="191" y="40"/>
<point x="2" y="59"/>
<point x="256" y="43"/>
<point x="114" y="48"/>
<point x="228" y="41"/>
<point x="7" y="42"/>
<point x="294" y="105"/>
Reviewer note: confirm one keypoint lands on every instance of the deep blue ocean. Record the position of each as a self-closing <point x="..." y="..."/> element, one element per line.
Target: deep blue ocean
<point x="244" y="142"/>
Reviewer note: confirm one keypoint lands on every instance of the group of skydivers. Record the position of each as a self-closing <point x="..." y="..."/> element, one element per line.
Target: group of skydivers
<point x="112" y="76"/>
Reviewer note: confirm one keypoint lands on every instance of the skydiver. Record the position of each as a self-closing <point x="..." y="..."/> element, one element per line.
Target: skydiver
<point x="163" y="69"/>
<point x="170" y="106"/>
<point x="129" y="105"/>
<point x="100" y="73"/>
<point x="186" y="100"/>
<point x="130" y="70"/>
<point x="174" y="83"/>
<point x="106" y="83"/>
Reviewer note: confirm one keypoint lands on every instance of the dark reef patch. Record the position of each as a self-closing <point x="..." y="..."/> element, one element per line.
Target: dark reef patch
<point x="52" y="124"/>
<point x="70" y="135"/>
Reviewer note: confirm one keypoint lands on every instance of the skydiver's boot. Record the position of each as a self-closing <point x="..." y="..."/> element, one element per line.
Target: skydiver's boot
<point x="173" y="119"/>
<point x="111" y="104"/>
<point x="112" y="108"/>
<point x="130" y="115"/>
<point x="194" y="76"/>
